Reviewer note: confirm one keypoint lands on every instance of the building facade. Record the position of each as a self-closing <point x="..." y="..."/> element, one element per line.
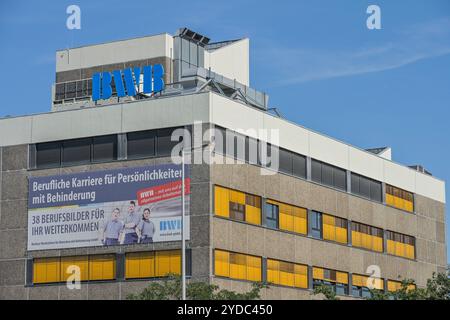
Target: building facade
<point x="327" y="212"/>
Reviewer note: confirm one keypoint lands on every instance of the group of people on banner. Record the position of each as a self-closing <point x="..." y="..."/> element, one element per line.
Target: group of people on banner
<point x="134" y="228"/>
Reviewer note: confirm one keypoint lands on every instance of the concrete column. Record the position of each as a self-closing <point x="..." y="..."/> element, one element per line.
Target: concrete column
<point x="349" y="232"/>
<point x="349" y="181"/>
<point x="29" y="272"/>
<point x="308" y="168"/>
<point x="120" y="266"/>
<point x="383" y="192"/>
<point x="264" y="269"/>
<point x="122" y="146"/>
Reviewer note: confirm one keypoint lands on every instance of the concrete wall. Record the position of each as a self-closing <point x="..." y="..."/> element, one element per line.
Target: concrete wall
<point x="114" y="52"/>
<point x="231" y="61"/>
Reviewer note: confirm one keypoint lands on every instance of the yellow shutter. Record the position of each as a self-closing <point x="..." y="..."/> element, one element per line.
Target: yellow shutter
<point x="162" y="263"/>
<point x="140" y="265"/>
<point x="318" y="273"/>
<point x="46" y="270"/>
<point x="221" y="201"/>
<point x="253" y="268"/>
<point x="238" y="266"/>
<point x="342" y="277"/>
<point x="102" y="267"/>
<point x="356" y="239"/>
<point x="253" y="215"/>
<point x="273" y="271"/>
<point x="301" y="276"/>
<point x="341" y="235"/>
<point x="300" y="220"/>
<point x="222" y="263"/>
<point x="81" y="262"/>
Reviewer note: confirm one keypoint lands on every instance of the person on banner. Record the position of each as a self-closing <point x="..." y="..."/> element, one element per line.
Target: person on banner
<point x="131" y="222"/>
<point x="112" y="229"/>
<point x="146" y="228"/>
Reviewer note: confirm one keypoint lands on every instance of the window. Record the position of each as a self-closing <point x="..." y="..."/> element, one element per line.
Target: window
<point x="393" y="286"/>
<point x="237" y="205"/>
<point x="46" y="270"/>
<point x="399" y="198"/>
<point x="102" y="267"/>
<point x="291" y="218"/>
<point x="167" y="262"/>
<point x="141" y="144"/>
<point x="328" y="175"/>
<point x="77" y="151"/>
<point x="237" y="266"/>
<point x="316" y="224"/>
<point x="104" y="148"/>
<point x="271" y="211"/>
<point x="164" y="144"/>
<point x="366" y="187"/>
<point x="361" y="283"/>
<point x="48" y="154"/>
<point x="54" y="270"/>
<point x="367" y="237"/>
<point x="336" y="279"/>
<point x="287" y="274"/>
<point x="400" y="245"/>
<point x="299" y="166"/>
<point x="334" y="228"/>
<point x="285" y="161"/>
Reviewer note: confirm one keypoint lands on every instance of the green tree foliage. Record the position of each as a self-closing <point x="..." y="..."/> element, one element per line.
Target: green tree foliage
<point x="170" y="289"/>
<point x="327" y="291"/>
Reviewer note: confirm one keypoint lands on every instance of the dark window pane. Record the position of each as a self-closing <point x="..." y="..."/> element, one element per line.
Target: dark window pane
<point x="355" y="183"/>
<point x="271" y="211"/>
<point x="299" y="166"/>
<point x="237" y="211"/>
<point x="327" y="175"/>
<point x="219" y="140"/>
<point x="316" y="171"/>
<point x="251" y="151"/>
<point x="60" y="89"/>
<point x="285" y="161"/>
<point x="164" y="144"/>
<point x="364" y="187"/>
<point x="340" y="178"/>
<point x="141" y="144"/>
<point x="239" y="146"/>
<point x="341" y="289"/>
<point x="316" y="225"/>
<point x="77" y="151"/>
<point x="48" y="154"/>
<point x="104" y="148"/>
<point x="375" y="191"/>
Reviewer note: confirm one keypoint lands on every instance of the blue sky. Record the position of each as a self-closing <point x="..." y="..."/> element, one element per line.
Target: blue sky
<point x="317" y="60"/>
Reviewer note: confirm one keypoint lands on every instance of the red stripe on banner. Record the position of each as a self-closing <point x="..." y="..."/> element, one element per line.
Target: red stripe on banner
<point x="163" y="192"/>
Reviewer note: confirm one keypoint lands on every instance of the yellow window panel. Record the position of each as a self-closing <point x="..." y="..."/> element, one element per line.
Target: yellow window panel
<point x="162" y="263"/>
<point x="390" y="246"/>
<point x="409" y="206"/>
<point x="221" y="201"/>
<point x="300" y="225"/>
<point x="301" y="276"/>
<point x="390" y="200"/>
<point x="81" y="262"/>
<point x="393" y="286"/>
<point x="222" y="263"/>
<point x="409" y="250"/>
<point x="273" y="271"/>
<point x="356" y="239"/>
<point x="253" y="215"/>
<point x="377" y="243"/>
<point x="318" y="273"/>
<point x="342" y="277"/>
<point x="46" y="270"/>
<point x="102" y="267"/>
<point x="399" y="249"/>
<point x="327" y="219"/>
<point x="175" y="262"/>
<point x="238" y="266"/>
<point x="287" y="279"/>
<point x="341" y="235"/>
<point x="253" y="268"/>
<point x="358" y="280"/>
<point x="286" y="221"/>
<point x="237" y="196"/>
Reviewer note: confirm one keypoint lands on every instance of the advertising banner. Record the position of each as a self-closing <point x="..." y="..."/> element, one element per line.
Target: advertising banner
<point x="110" y="207"/>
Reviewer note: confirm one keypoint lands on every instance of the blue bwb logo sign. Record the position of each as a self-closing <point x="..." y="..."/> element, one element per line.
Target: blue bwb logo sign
<point x="128" y="79"/>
